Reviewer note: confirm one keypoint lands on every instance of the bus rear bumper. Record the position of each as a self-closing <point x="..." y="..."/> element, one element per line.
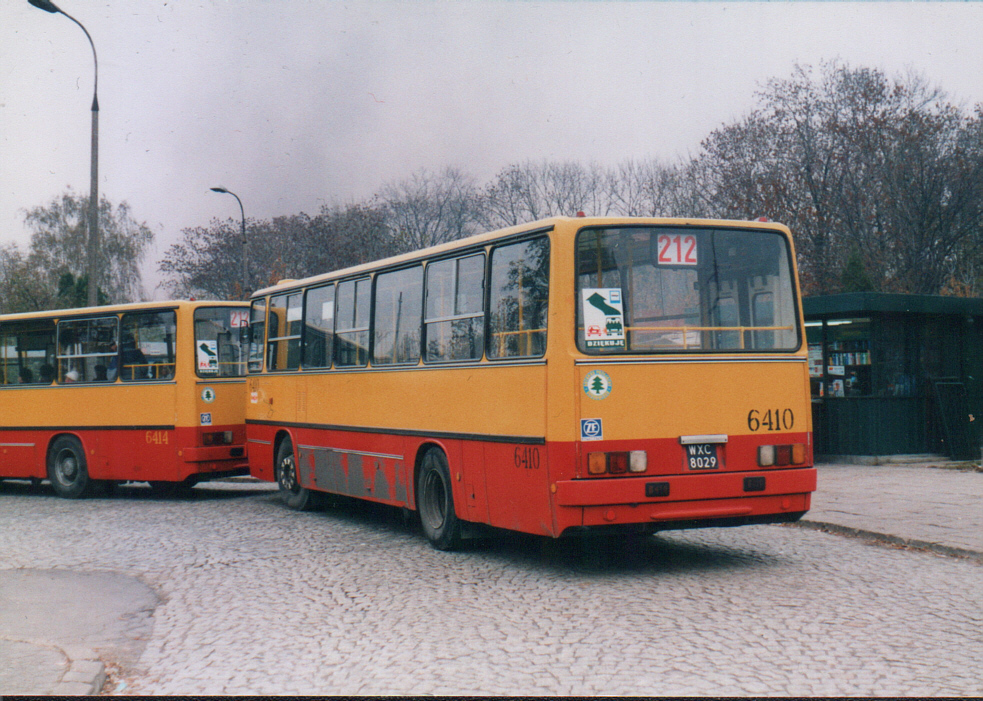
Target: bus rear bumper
<point x="727" y="498"/>
<point x="213" y="462"/>
<point x="217" y="453"/>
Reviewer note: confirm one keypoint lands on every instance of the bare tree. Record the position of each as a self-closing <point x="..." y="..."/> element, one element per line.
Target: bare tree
<point x="650" y="189"/>
<point x="530" y="191"/>
<point x="430" y="208"/>
<point x="854" y="162"/>
<point x="206" y="263"/>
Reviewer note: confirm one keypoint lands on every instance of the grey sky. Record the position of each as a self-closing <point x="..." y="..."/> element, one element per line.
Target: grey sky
<point x="295" y="103"/>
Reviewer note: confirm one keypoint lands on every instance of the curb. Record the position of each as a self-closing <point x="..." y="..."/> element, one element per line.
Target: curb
<point x="913" y="543"/>
<point x="85" y="677"/>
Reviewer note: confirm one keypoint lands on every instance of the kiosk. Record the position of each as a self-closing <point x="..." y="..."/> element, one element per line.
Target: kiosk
<point x="896" y="374"/>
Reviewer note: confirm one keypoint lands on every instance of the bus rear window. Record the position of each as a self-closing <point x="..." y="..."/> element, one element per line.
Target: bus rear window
<point x="674" y="289"/>
<point x="221" y="340"/>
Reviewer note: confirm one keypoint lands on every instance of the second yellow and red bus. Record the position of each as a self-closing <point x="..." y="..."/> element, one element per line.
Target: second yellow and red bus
<point x="149" y="392"/>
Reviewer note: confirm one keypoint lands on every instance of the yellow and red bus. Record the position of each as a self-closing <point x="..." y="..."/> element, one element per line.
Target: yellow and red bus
<point x="567" y="374"/>
<point x="149" y="392"/>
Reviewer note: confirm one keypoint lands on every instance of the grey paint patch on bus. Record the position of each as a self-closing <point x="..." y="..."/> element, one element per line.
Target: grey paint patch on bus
<point x="400" y="483"/>
<point x="380" y="485"/>
<point x="329" y="474"/>
<point x="356" y="478"/>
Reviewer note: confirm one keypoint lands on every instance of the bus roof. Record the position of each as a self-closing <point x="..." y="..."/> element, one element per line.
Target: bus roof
<point x="116" y="308"/>
<point x="529" y="228"/>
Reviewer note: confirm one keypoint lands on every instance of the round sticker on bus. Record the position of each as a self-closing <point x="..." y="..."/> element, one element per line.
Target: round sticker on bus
<point x="208" y="395"/>
<point x="597" y="384"/>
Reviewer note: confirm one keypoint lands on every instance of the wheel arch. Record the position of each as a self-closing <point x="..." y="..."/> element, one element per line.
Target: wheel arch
<point x="451" y="456"/>
<point x="421" y="450"/>
<point x="54" y="437"/>
<point x="281" y="436"/>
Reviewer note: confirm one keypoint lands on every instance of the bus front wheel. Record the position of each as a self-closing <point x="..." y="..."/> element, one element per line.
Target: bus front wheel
<point x="293" y="495"/>
<point x="67" y="469"/>
<point x="436" y="502"/>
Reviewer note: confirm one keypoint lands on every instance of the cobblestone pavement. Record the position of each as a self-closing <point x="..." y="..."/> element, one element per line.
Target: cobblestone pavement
<point x="255" y="599"/>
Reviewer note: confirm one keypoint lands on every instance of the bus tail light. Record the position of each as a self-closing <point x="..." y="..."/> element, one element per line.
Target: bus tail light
<point x="217" y="438"/>
<point x="781" y="455"/>
<point x="617" y="463"/>
<point x="597" y="463"/>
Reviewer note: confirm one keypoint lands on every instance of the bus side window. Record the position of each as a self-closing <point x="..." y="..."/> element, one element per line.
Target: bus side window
<point x="519" y="299"/>
<point x="283" y="340"/>
<point x="455" y="319"/>
<point x="147" y="351"/>
<point x="351" y="346"/>
<point x="257" y="334"/>
<point x="319" y="327"/>
<point x="86" y="349"/>
<point x="398" y="306"/>
<point x="27" y="352"/>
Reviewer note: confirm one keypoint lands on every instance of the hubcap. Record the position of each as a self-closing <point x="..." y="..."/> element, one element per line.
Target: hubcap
<point x="68" y="466"/>
<point x="434" y="499"/>
<point x="287" y="476"/>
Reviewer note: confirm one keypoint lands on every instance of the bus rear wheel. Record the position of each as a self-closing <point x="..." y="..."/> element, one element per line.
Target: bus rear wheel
<point x="67" y="468"/>
<point x="435" y="500"/>
<point x="294" y="496"/>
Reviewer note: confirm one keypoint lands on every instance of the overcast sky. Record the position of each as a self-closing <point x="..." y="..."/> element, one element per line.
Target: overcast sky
<point x="295" y="103"/>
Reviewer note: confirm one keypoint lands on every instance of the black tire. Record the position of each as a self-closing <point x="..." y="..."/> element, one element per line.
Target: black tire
<point x="435" y="501"/>
<point x="67" y="469"/>
<point x="285" y="468"/>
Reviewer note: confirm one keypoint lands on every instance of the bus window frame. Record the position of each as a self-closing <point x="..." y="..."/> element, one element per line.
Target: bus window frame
<point x="306" y="291"/>
<point x="368" y="277"/>
<point x="287" y="295"/>
<point x="171" y="367"/>
<point x="483" y="314"/>
<point x="250" y="358"/>
<point x="793" y="277"/>
<point x="243" y="347"/>
<point x="31" y="327"/>
<point x="59" y="356"/>
<point x="492" y="248"/>
<point x="373" y="329"/>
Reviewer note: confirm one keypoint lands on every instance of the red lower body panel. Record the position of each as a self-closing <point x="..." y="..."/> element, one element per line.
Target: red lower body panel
<point x="516" y="485"/>
<point x="166" y="454"/>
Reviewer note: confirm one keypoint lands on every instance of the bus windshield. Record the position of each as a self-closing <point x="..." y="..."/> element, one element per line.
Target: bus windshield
<point x="684" y="289"/>
<point x="221" y="341"/>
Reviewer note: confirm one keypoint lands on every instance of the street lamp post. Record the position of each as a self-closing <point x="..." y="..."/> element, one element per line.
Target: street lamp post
<point x="92" y="244"/>
<point x="245" y="249"/>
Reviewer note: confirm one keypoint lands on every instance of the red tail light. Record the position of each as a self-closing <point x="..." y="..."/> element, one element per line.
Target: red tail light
<point x="617" y="463"/>
<point x="217" y="438"/>
<point x="780" y="455"/>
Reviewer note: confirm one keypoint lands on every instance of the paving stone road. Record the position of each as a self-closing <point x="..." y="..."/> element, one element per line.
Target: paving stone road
<point x="255" y="599"/>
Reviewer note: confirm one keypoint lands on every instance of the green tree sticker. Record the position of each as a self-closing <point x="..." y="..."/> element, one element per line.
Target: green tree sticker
<point x="597" y="384"/>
